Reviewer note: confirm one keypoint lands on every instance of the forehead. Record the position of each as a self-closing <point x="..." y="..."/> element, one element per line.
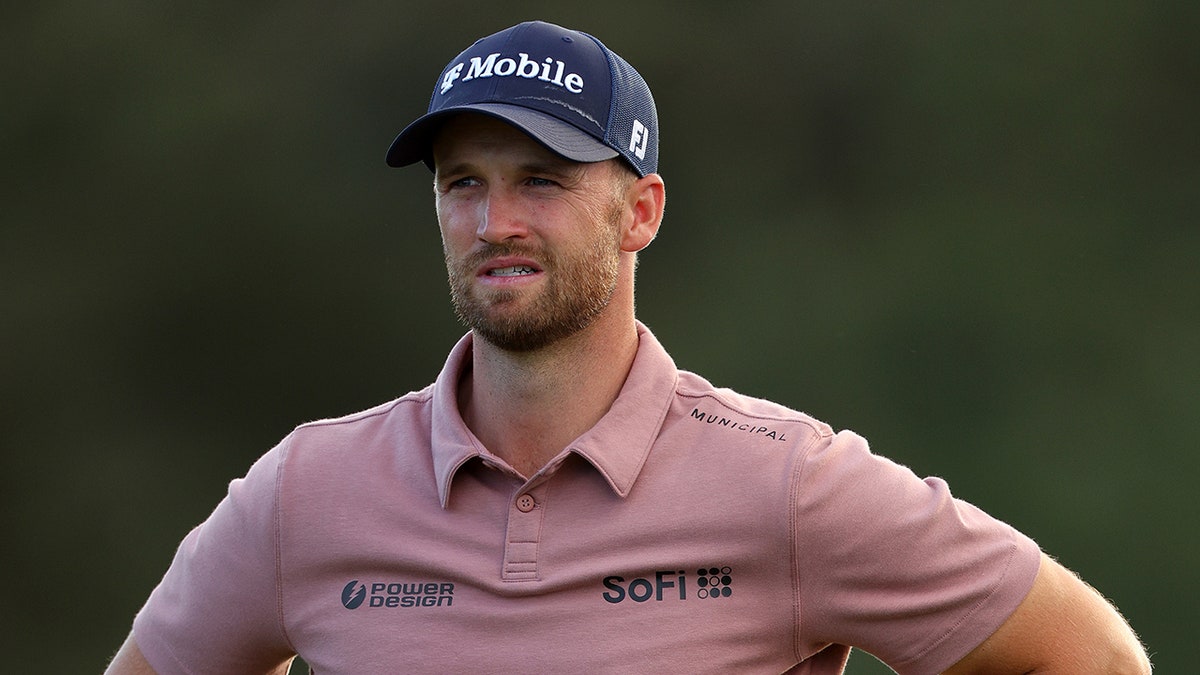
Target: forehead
<point x="470" y="135"/>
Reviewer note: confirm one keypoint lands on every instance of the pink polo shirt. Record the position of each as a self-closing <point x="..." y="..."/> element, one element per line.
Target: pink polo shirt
<point x="692" y="530"/>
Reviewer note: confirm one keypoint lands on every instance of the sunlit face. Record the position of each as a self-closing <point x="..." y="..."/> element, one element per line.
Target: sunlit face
<point x="532" y="240"/>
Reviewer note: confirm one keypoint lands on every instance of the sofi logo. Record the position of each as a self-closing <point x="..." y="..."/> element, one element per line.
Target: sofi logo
<point x="549" y="70"/>
<point x="708" y="583"/>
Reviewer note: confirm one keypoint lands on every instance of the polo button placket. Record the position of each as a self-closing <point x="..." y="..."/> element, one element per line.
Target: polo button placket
<point x="524" y="529"/>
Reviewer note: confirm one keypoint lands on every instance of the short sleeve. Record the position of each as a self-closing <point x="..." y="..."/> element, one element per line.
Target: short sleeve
<point x="217" y="608"/>
<point x="895" y="565"/>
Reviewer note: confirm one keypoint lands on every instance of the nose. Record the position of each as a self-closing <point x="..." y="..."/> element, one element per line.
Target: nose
<point x="501" y="218"/>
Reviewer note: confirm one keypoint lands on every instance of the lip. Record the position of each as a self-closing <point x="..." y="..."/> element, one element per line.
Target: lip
<point x="485" y="271"/>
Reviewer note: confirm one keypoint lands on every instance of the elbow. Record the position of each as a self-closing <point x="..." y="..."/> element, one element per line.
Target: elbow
<point x="1133" y="661"/>
<point x="1113" y="661"/>
<point x="1123" y="658"/>
<point x="1131" y="657"/>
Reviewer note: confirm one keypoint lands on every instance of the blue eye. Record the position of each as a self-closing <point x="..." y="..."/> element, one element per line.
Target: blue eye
<point x="462" y="182"/>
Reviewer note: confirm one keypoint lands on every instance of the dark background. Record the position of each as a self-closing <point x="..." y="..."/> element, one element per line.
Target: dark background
<point x="968" y="232"/>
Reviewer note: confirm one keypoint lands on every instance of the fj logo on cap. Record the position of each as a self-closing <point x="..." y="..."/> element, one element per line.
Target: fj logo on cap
<point x="639" y="138"/>
<point x="549" y="70"/>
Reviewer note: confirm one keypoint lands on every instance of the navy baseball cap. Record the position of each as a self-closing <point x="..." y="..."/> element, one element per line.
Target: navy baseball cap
<point x="562" y="87"/>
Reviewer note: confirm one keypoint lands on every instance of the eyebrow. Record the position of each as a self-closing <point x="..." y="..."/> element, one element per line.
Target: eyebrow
<point x="559" y="168"/>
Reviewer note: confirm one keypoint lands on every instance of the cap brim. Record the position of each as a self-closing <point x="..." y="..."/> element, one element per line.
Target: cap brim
<point x="414" y="144"/>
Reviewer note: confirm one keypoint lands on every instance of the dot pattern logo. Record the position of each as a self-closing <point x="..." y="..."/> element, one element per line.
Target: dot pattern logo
<point x="714" y="582"/>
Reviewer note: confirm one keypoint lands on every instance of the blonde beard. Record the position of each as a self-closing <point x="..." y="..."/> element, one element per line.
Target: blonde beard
<point x="578" y="289"/>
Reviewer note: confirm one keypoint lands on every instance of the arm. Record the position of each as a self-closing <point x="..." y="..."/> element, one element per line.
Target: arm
<point x="205" y="608"/>
<point x="130" y="661"/>
<point x="1062" y="626"/>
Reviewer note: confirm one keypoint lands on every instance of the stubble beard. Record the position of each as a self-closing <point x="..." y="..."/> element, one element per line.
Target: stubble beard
<point x="578" y="287"/>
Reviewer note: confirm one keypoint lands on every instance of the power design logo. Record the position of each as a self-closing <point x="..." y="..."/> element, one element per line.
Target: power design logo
<point x="353" y="594"/>
<point x="711" y="583"/>
<point x="398" y="594"/>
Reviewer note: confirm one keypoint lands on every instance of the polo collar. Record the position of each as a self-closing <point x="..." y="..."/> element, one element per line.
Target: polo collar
<point x="617" y="446"/>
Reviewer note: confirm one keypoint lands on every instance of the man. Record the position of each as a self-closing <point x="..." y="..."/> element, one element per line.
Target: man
<point x="562" y="498"/>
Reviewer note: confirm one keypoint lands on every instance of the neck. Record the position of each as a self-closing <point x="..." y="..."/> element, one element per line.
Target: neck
<point x="526" y="407"/>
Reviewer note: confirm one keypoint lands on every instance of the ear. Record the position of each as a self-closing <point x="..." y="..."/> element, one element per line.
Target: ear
<point x="646" y="199"/>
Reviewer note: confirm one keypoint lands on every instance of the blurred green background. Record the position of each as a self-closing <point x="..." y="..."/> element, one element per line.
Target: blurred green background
<point x="966" y="230"/>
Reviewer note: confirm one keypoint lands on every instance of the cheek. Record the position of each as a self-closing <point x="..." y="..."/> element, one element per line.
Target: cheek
<point x="455" y="223"/>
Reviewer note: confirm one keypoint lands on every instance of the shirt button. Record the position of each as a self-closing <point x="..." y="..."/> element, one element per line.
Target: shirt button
<point x="525" y="503"/>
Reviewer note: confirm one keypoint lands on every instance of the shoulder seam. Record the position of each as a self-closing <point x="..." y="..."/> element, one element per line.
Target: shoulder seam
<point x="793" y="521"/>
<point x="820" y="429"/>
<point x="277" y="534"/>
<point x="419" y="397"/>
